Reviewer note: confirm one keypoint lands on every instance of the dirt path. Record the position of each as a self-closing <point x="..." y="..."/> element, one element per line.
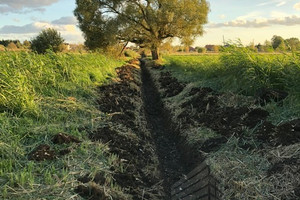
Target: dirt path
<point x="162" y="133"/>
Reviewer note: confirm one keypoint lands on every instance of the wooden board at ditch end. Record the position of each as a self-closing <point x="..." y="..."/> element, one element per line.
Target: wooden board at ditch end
<point x="199" y="184"/>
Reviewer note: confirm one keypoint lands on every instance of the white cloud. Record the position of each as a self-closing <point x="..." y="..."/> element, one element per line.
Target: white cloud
<point x="297" y="6"/>
<point x="251" y="15"/>
<point x="259" y="22"/>
<point x="35" y="27"/>
<point x="24" y="6"/>
<point x="65" y="25"/>
<point x="281" y="3"/>
<point x="278" y="3"/>
<point x="276" y="14"/>
<point x="266" y="3"/>
<point x="65" y="20"/>
<point x="222" y="16"/>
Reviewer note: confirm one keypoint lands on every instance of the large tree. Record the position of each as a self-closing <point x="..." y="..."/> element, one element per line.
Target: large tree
<point x="293" y="43"/>
<point x="144" y="22"/>
<point x="278" y="43"/>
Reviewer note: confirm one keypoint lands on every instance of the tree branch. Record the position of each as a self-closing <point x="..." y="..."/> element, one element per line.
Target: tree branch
<point x="126" y="16"/>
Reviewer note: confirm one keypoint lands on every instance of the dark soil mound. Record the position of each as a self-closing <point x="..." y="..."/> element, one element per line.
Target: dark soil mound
<point x="126" y="146"/>
<point x="200" y="91"/>
<point x="203" y="108"/>
<point x="127" y="118"/>
<point x="133" y="145"/>
<point x="279" y="166"/>
<point x="285" y="134"/>
<point x="120" y="97"/>
<point x="170" y="84"/>
<point x="62" y="138"/>
<point x="212" y="144"/>
<point x="42" y="152"/>
<point x="266" y="95"/>
<point x="288" y="133"/>
<point x="126" y="73"/>
<point x="117" y="98"/>
<point x="266" y="132"/>
<point x="96" y="192"/>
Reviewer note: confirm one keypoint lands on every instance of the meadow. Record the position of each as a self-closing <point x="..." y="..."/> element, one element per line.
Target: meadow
<point x="245" y="164"/>
<point x="44" y="95"/>
<point x="244" y="72"/>
<point x="41" y="96"/>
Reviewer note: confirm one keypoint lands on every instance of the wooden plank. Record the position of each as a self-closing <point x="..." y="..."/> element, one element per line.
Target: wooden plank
<point x="200" y="194"/>
<point x="194" y="188"/>
<point x="194" y="172"/>
<point x="197" y="170"/>
<point x="178" y="183"/>
<point x="199" y="184"/>
<point x="191" y="182"/>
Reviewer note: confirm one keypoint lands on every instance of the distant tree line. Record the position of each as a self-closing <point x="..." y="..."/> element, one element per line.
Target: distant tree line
<point x="277" y="43"/>
<point x="14" y="44"/>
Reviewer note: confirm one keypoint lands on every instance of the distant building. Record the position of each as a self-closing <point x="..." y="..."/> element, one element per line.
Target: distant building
<point x="192" y="49"/>
<point x="68" y="47"/>
<point x="210" y="47"/>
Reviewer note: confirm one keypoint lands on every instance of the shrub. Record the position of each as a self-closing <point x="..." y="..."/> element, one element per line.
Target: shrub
<point x="26" y="44"/>
<point x="47" y="39"/>
<point x="12" y="46"/>
<point x="131" y="53"/>
<point x="201" y="50"/>
<point x="2" y="47"/>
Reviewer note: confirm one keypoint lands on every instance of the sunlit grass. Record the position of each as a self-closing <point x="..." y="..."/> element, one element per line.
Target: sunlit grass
<point x="40" y="96"/>
<point x="242" y="71"/>
<point x="242" y="163"/>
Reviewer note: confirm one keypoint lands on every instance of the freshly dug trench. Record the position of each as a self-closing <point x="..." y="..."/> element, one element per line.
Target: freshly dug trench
<point x="162" y="131"/>
<point x="138" y="136"/>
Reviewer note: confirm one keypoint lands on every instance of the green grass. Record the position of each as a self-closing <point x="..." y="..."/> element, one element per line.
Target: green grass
<point x="40" y="96"/>
<point x="238" y="74"/>
<point x="242" y="71"/>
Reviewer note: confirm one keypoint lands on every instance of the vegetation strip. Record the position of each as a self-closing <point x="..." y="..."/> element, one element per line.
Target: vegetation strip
<point x="250" y="156"/>
<point x="47" y="109"/>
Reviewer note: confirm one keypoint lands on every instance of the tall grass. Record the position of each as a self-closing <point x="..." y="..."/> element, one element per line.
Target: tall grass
<point x="242" y="71"/>
<point x="40" y="96"/>
<point x="25" y="78"/>
<point x="243" y="171"/>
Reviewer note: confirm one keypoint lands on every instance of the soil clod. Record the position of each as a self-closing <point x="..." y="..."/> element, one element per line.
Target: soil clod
<point x="172" y="86"/>
<point x="41" y="153"/>
<point x="266" y="95"/>
<point x="62" y="138"/>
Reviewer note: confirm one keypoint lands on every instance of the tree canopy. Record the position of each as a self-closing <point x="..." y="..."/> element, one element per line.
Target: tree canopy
<point x="144" y="22"/>
<point x="278" y="43"/>
<point x="47" y="39"/>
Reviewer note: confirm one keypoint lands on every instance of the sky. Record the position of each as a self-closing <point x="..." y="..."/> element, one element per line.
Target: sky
<point x="247" y="20"/>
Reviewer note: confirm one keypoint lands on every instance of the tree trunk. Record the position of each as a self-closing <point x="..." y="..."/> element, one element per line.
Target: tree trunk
<point x="123" y="48"/>
<point x="155" y="53"/>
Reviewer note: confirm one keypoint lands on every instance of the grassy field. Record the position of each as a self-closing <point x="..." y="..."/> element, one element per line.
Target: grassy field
<point x="243" y="163"/>
<point x="41" y="96"/>
<point x="244" y="72"/>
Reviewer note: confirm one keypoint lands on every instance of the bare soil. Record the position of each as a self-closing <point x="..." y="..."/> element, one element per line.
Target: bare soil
<point x="164" y="134"/>
<point x="204" y="108"/>
<point x="132" y="142"/>
<point x="46" y="152"/>
<point x="41" y="153"/>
